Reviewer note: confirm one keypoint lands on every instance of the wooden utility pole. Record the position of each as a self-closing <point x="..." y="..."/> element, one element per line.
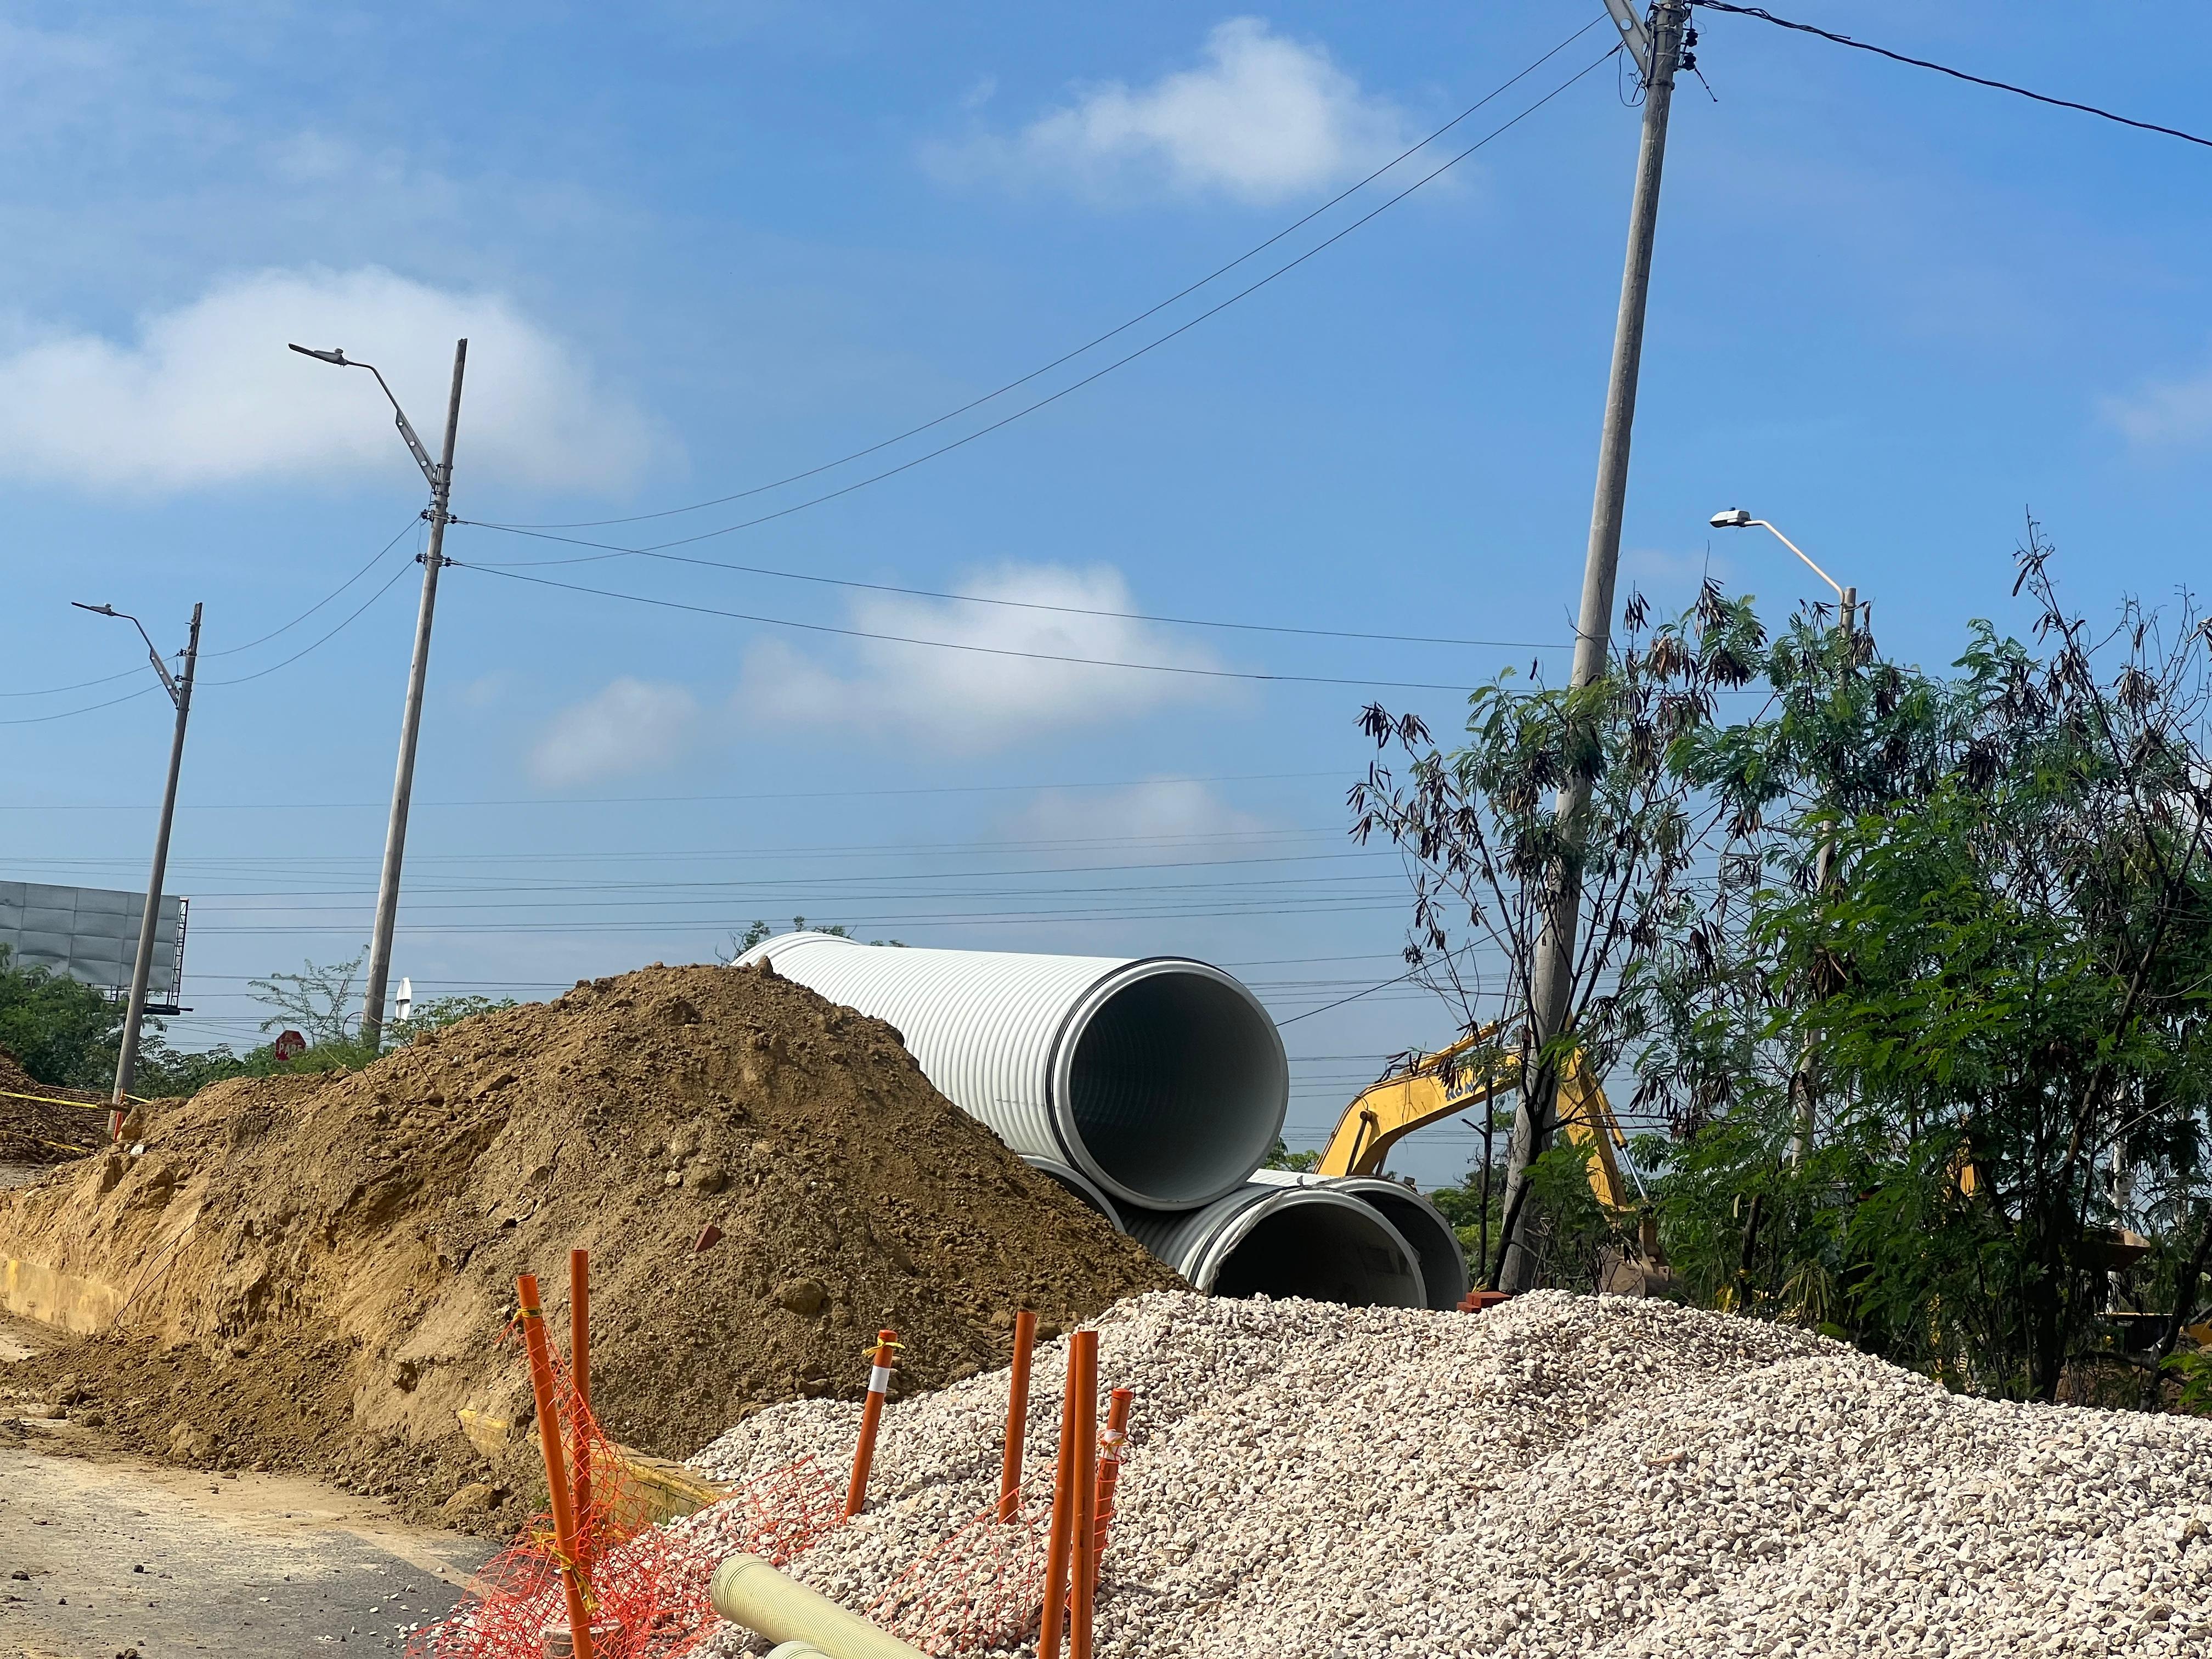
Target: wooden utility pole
<point x="1551" y="980"/>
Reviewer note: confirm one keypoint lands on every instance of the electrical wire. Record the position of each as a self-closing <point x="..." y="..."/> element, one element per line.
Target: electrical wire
<point x="612" y="550"/>
<point x="1098" y="340"/>
<point x="1767" y="16"/>
<point x="232" y="651"/>
<point x="656" y="800"/>
<point x="227" y="651"/>
<point x="303" y="651"/>
<point x="950" y="645"/>
<point x="1030" y="604"/>
<point x="67" y="713"/>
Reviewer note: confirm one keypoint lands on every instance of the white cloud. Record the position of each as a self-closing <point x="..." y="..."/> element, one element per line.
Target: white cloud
<point x="632" y="725"/>
<point x="2169" y="414"/>
<point x="1159" y="809"/>
<point x="207" y="394"/>
<point x="1263" y="118"/>
<point x="973" y="699"/>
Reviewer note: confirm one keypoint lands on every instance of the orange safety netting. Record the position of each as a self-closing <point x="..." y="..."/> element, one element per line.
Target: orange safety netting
<point x="645" y="1591"/>
<point x="983" y="1587"/>
<point x="779" y="1515"/>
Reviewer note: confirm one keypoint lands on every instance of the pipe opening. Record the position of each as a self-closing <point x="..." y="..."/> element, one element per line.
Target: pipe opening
<point x="1444" y="1264"/>
<point x="1324" y="1252"/>
<point x="1176" y="1087"/>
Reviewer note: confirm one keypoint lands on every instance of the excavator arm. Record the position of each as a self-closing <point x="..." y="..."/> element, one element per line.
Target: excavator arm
<point x="1469" y="1074"/>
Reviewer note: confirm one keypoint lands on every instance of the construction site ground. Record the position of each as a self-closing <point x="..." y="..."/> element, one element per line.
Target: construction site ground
<point x="103" y="1552"/>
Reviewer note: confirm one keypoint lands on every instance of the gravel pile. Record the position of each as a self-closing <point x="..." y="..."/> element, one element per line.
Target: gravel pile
<point x="1558" y="1476"/>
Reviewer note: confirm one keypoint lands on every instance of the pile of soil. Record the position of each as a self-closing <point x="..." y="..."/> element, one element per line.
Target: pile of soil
<point x="56" y="1125"/>
<point x="316" y="1272"/>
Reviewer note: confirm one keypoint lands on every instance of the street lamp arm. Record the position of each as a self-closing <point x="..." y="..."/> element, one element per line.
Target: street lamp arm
<point x="430" y="469"/>
<point x="1799" y="552"/>
<point x="168" y="680"/>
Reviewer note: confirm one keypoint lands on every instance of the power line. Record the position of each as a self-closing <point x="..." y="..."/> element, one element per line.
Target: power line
<point x="950" y="645"/>
<point x="371" y="564"/>
<point x="1025" y="604"/>
<point x="107" y="680"/>
<point x="1766" y="16"/>
<point x="304" y="650"/>
<point x="1098" y="340"/>
<point x="945" y="449"/>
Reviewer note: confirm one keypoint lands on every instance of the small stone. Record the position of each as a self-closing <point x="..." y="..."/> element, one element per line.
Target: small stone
<point x="189" y="1444"/>
<point x="803" y="1297"/>
<point x="477" y="1498"/>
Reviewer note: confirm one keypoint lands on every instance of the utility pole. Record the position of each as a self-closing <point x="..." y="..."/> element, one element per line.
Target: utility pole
<point x="1658" y="53"/>
<point x="141" y="967"/>
<point x="441" y="475"/>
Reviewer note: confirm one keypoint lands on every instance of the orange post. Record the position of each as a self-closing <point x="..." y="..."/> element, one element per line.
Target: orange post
<point x="579" y="1369"/>
<point x="556" y="1473"/>
<point x="1109" y="1460"/>
<point x="1017" y="1415"/>
<point x="1060" y="1547"/>
<point x="1083" y="1593"/>
<point x="872" y="1417"/>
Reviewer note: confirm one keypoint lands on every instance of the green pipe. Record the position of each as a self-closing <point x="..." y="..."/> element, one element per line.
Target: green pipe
<point x="749" y="1592"/>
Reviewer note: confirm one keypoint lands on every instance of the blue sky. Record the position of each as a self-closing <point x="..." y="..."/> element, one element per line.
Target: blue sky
<point x="699" y="248"/>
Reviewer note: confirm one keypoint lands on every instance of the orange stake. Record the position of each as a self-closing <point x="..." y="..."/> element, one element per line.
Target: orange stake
<point x="1109" y="1460"/>
<point x="1083" y="1593"/>
<point x="871" y="1416"/>
<point x="556" y="1473"/>
<point x="579" y="1370"/>
<point x="1060" y="1547"/>
<point x="1017" y="1415"/>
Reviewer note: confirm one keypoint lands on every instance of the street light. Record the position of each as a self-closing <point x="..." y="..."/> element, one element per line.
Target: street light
<point x="1738" y="518"/>
<point x="441" y="475"/>
<point x="1803" y="1082"/>
<point x="179" y="688"/>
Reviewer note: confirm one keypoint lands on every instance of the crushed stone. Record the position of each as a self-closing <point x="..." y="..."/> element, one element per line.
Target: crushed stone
<point x="1558" y="1476"/>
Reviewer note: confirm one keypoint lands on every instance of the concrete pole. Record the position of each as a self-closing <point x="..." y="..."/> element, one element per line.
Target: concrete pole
<point x="142" y="969"/>
<point x="410" y="724"/>
<point x="1801" y="1137"/>
<point x="1552" y="981"/>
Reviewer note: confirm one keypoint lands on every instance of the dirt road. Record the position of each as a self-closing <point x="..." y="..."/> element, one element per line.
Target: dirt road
<point x="103" y="1554"/>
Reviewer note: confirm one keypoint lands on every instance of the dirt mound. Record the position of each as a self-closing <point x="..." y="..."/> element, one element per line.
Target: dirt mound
<point x="316" y="1271"/>
<point x="57" y="1125"/>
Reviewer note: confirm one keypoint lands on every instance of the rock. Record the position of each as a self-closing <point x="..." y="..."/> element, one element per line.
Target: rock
<point x="706" y="1178"/>
<point x="188" y="1444"/>
<point x="803" y="1297"/>
<point x="477" y="1498"/>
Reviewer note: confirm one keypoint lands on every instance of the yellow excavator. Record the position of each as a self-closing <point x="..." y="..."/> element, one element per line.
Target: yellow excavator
<point x="1470" y="1074"/>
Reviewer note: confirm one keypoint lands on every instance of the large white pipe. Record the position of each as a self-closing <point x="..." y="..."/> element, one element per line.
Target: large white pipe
<point x="1160" y="1078"/>
<point x="1080" y="1185"/>
<point x="1434" y="1240"/>
<point x="1268" y="1239"/>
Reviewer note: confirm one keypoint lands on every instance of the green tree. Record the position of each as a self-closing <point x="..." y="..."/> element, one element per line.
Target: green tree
<point x="2003" y="988"/>
<point x="52" y="1024"/>
<point x="1486" y="849"/>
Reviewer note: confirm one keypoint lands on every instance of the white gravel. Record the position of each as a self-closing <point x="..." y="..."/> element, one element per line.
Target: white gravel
<point x="1561" y="1475"/>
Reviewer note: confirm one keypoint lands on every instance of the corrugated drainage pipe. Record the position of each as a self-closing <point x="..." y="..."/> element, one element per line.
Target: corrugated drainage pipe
<point x="1079" y="1184"/>
<point x="1269" y="1240"/>
<point x="1161" y="1079"/>
<point x="746" y="1590"/>
<point x="1434" y="1241"/>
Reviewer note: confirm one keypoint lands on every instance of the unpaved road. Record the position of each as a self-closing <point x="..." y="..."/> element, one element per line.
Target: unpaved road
<point x="102" y="1553"/>
<point x="107" y="1553"/>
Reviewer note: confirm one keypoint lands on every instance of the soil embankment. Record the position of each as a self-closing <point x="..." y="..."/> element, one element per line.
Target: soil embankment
<point x="316" y="1272"/>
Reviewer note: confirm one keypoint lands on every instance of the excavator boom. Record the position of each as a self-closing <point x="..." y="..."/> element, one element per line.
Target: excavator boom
<point x="1467" y="1075"/>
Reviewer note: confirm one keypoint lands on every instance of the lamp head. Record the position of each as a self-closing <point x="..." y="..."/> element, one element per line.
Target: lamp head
<point x="97" y="610"/>
<point x="338" y="357"/>
<point x="1735" y="518"/>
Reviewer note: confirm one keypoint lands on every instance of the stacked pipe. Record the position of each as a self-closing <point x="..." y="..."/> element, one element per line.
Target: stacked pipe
<point x="1152" y="1088"/>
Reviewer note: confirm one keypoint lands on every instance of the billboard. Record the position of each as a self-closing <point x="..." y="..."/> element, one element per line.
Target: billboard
<point x="91" y="933"/>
